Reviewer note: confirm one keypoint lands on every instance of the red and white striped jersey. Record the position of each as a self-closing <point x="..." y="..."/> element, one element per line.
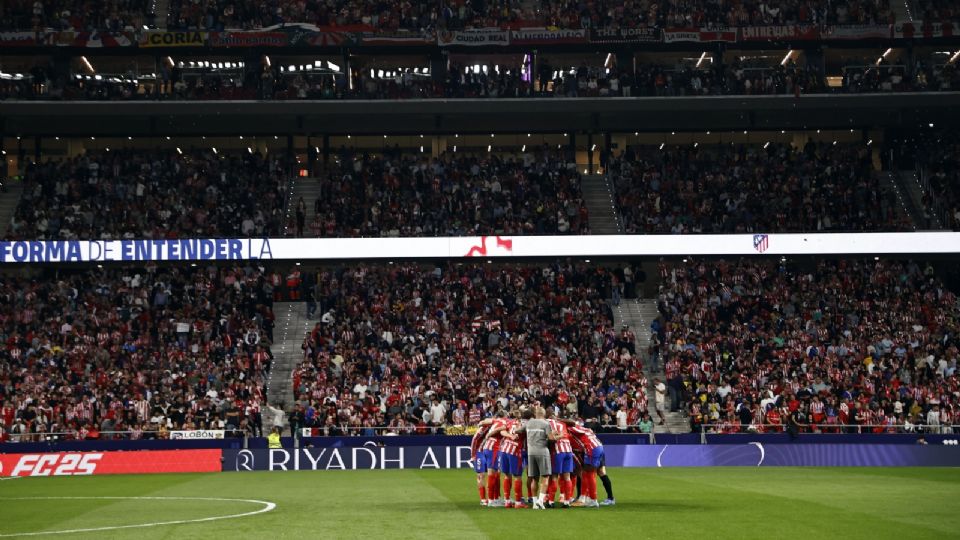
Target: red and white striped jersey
<point x="586" y="437"/>
<point x="477" y="440"/>
<point x="563" y="436"/>
<point x="510" y="446"/>
<point x="493" y="442"/>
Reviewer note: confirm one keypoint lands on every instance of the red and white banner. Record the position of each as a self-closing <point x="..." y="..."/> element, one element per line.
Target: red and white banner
<point x="718" y="33"/>
<point x="474" y="38"/>
<point x="785" y="32"/>
<point x="855" y="32"/>
<point x="674" y="35"/>
<point x="547" y="36"/>
<point x="396" y="38"/>
<point x="923" y="30"/>
<point x="88" y="463"/>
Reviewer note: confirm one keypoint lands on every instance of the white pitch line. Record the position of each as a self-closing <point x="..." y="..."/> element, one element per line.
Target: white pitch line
<point x="267" y="507"/>
<point x="9" y="478"/>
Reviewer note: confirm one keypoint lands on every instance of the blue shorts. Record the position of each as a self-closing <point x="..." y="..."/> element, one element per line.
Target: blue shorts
<point x="510" y="465"/>
<point x="563" y="463"/>
<point x="478" y="465"/>
<point x="595" y="458"/>
<point x="485" y="461"/>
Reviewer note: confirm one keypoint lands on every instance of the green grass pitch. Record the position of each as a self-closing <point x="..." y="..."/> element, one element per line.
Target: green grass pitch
<point x="808" y="503"/>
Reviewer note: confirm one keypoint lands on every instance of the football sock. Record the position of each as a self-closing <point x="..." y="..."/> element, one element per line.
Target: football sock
<point x="506" y="487"/>
<point x="493" y="485"/>
<point x="483" y="492"/>
<point x="606" y="486"/>
<point x="518" y="489"/>
<point x="551" y="488"/>
<point x="568" y="489"/>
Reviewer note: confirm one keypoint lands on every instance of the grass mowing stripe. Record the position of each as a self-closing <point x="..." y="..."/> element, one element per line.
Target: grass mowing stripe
<point x="124" y="485"/>
<point x="821" y="488"/>
<point x="265" y="507"/>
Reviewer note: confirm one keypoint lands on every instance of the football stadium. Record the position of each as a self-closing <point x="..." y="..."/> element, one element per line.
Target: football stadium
<point x="479" y="269"/>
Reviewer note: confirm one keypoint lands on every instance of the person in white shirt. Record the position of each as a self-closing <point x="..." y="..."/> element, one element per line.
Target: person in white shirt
<point x="622" y="420"/>
<point x="438" y="412"/>
<point x="661" y="398"/>
<point x="933" y="419"/>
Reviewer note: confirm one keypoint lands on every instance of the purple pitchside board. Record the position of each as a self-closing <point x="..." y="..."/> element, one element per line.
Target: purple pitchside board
<point x="784" y="455"/>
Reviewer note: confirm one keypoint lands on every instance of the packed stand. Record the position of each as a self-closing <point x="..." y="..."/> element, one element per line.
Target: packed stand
<point x="76" y="15"/>
<point x="163" y="194"/>
<point x="883" y="77"/>
<point x="410" y="349"/>
<point x="809" y="347"/>
<point x="937" y="11"/>
<point x="939" y="159"/>
<point x="738" y="189"/>
<point x="457" y="194"/>
<point x="134" y="353"/>
<point x="218" y="15"/>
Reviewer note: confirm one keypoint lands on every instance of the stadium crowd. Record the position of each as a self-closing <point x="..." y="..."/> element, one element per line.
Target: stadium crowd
<point x="130" y="193"/>
<point x="728" y="189"/>
<point x="938" y="156"/>
<point x="809" y="346"/>
<point x="111" y="15"/>
<point x="134" y="352"/>
<point x="457" y="194"/>
<point x="928" y="77"/>
<point x="453" y="15"/>
<point x="416" y="348"/>
<point x="479" y="82"/>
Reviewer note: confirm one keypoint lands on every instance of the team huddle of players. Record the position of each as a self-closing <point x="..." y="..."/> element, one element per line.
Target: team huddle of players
<point x="559" y="454"/>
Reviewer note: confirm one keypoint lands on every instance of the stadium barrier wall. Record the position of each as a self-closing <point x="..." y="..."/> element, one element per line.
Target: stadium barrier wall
<point x="608" y="439"/>
<point x="746" y="455"/>
<point x="89" y="463"/>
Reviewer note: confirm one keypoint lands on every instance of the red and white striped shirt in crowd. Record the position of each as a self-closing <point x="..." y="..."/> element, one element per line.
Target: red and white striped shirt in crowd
<point x="83" y="411"/>
<point x="142" y="408"/>
<point x="816" y="407"/>
<point x="563" y="436"/>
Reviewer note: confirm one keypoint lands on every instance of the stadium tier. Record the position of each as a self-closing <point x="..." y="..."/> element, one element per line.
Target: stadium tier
<point x="851" y="342"/>
<point x="132" y="194"/>
<point x="813" y="188"/>
<point x="134" y="352"/>
<point x="218" y="15"/>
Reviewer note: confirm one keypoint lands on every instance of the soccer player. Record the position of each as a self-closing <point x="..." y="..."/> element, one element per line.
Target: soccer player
<point x="511" y="462"/>
<point x="592" y="461"/>
<point x="562" y="463"/>
<point x="480" y="465"/>
<point x="539" y="434"/>
<point x="489" y="453"/>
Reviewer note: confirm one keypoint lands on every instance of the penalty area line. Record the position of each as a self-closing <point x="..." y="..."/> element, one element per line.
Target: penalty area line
<point x="267" y="507"/>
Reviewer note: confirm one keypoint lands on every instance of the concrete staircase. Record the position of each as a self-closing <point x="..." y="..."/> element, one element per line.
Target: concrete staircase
<point x="9" y="198"/>
<point x="309" y="189"/>
<point x="161" y="10"/>
<point x="598" y="196"/>
<point x="638" y="314"/>
<point x="928" y="218"/>
<point x="905" y="10"/>
<point x="290" y="327"/>
<point x="907" y="205"/>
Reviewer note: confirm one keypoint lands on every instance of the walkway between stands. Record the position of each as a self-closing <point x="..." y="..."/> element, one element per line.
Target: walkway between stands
<point x="291" y="326"/>
<point x="638" y="313"/>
